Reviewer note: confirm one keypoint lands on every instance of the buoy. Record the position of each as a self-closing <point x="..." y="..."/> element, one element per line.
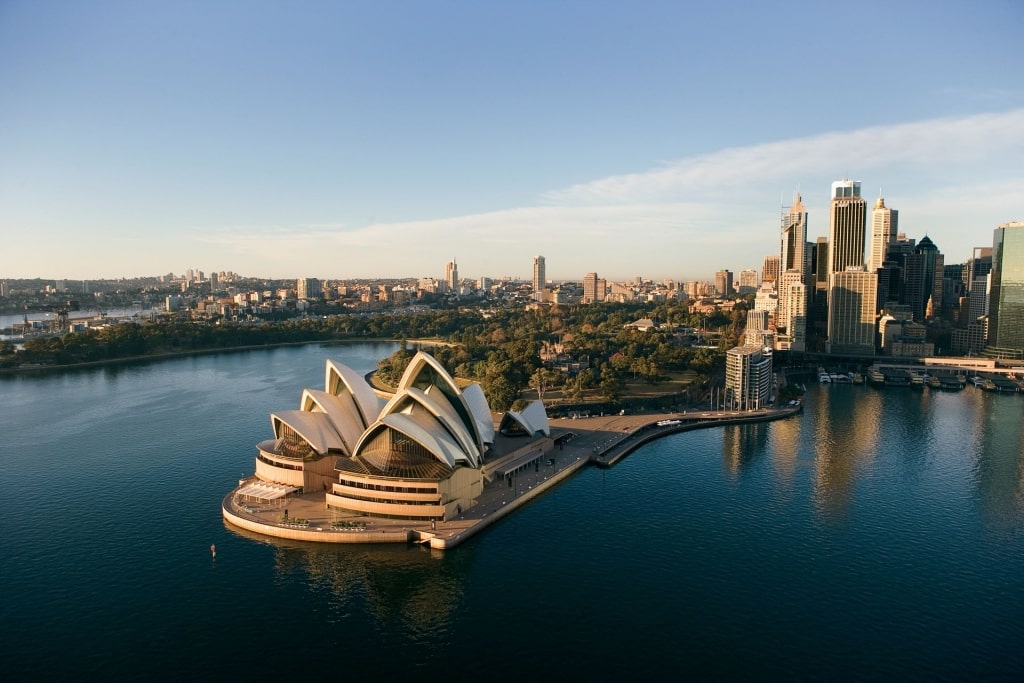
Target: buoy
<point x="213" y="551"/>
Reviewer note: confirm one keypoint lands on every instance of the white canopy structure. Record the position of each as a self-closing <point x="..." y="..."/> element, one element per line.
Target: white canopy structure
<point x="530" y="421"/>
<point x="262" y="490"/>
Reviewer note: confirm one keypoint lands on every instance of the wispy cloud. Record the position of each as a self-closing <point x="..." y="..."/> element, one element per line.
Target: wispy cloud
<point x="939" y="141"/>
<point x="956" y="179"/>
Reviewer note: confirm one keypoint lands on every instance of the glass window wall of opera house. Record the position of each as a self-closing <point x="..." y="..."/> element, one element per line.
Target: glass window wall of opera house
<point x="417" y="455"/>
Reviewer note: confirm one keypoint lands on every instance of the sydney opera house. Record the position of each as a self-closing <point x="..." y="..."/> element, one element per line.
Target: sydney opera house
<point x="423" y="453"/>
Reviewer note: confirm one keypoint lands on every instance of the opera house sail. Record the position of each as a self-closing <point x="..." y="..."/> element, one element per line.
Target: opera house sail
<point x="418" y="456"/>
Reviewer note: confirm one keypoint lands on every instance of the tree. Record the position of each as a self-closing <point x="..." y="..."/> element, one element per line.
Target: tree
<point x="501" y="393"/>
<point x="611" y="386"/>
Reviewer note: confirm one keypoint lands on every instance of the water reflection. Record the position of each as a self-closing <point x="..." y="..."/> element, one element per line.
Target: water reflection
<point x="786" y="447"/>
<point x="847" y="423"/>
<point x="743" y="445"/>
<point x="398" y="586"/>
<point x="998" y="462"/>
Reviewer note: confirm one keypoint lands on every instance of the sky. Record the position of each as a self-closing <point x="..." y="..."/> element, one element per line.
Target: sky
<point x="358" y="139"/>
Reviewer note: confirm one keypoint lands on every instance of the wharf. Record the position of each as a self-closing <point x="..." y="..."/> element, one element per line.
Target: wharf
<point x="600" y="440"/>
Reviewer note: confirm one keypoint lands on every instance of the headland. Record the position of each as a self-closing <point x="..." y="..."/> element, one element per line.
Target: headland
<point x="512" y="478"/>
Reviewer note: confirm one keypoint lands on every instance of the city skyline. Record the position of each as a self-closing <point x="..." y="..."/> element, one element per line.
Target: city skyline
<point x="325" y="142"/>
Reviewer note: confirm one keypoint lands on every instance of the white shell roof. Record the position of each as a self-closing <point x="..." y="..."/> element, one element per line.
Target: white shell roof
<point x="436" y="441"/>
<point x="366" y="401"/>
<point x="423" y="360"/>
<point x="341" y="409"/>
<point x="438" y="406"/>
<point x="533" y="418"/>
<point x="316" y="428"/>
<point x="451" y="424"/>
<point x="474" y="395"/>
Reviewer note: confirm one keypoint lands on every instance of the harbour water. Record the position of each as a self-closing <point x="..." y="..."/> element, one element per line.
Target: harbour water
<point x="880" y="535"/>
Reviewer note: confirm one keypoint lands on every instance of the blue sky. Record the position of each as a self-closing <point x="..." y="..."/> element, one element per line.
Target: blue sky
<point x="362" y="139"/>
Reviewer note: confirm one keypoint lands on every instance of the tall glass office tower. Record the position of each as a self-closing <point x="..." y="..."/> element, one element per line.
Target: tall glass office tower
<point x="1006" y="301"/>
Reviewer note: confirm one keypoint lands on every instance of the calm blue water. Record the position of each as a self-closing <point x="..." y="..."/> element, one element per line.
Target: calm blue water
<point x="878" y="536"/>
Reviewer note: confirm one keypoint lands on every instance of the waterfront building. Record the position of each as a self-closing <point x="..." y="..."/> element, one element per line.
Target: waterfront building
<point x="770" y="269"/>
<point x="748" y="378"/>
<point x="793" y="245"/>
<point x="847" y="217"/>
<point x="419" y="455"/>
<point x="884" y="226"/>
<point x="970" y="341"/>
<point x="723" y="283"/>
<point x="539" y="277"/>
<point x="851" y="312"/>
<point x="1006" y="302"/>
<point x="904" y="338"/>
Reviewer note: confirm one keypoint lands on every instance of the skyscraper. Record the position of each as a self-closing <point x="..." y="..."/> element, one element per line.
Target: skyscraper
<point x="723" y="282"/>
<point x="922" y="278"/>
<point x="748" y="281"/>
<point x="820" y="264"/>
<point x="590" y="287"/>
<point x="793" y="251"/>
<point x="451" y="276"/>
<point x="783" y="320"/>
<point x="851" y="311"/>
<point x="884" y="226"/>
<point x="770" y="269"/>
<point x="1006" y="303"/>
<point x="847" y="217"/>
<point x="308" y="288"/>
<point x="796" y="316"/>
<point x="538" y="275"/>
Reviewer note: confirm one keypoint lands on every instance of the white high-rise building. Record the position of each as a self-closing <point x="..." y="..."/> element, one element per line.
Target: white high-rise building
<point x="884" y="226"/>
<point x="451" y="276"/>
<point x="791" y="315"/>
<point x="539" y="275"/>
<point x="793" y="252"/>
<point x="748" y="378"/>
<point x="795" y="338"/>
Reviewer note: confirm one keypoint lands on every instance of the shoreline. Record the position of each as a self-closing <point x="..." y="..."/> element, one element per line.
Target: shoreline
<point x="167" y="355"/>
